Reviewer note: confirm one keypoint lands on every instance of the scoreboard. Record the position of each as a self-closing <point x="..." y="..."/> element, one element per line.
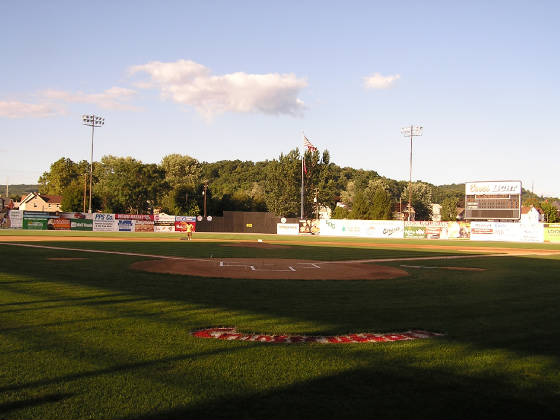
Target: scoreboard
<point x="496" y="200"/>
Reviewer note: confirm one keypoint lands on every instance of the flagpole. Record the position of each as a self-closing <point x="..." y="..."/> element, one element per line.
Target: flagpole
<point x="302" y="186"/>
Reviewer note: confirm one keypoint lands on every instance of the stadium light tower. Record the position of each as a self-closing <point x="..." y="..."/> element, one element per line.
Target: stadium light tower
<point x="92" y="121"/>
<point x="413" y="130"/>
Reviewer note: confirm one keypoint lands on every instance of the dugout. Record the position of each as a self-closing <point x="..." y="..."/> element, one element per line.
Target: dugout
<point x="493" y="200"/>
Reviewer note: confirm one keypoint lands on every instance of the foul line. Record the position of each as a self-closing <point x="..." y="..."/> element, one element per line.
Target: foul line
<point x="97" y="251"/>
<point x="372" y="260"/>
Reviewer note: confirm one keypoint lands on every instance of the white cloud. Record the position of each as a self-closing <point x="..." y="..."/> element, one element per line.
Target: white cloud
<point x="109" y="99"/>
<point x="378" y="81"/>
<point x="15" y="109"/>
<point x="189" y="83"/>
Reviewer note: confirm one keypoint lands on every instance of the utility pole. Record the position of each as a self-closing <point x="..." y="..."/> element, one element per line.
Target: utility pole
<point x="413" y="130"/>
<point x="316" y="203"/>
<point x="204" y="194"/>
<point x="85" y="186"/>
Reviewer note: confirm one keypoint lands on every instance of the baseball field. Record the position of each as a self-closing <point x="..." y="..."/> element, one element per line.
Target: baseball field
<point x="131" y="325"/>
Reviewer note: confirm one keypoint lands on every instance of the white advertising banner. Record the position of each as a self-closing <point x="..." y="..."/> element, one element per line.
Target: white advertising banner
<point x="496" y="231"/>
<point x="493" y="188"/>
<point x="164" y="223"/>
<point x="158" y="218"/>
<point x="126" y="225"/>
<point x="367" y="228"/>
<point x="16" y="219"/>
<point x="287" y="228"/>
<point x="426" y="229"/>
<point x="105" y="225"/>
<point x="383" y="228"/>
<point x="164" y="228"/>
<point x="104" y="217"/>
<point x="340" y="227"/>
<point x="508" y="232"/>
<point x="481" y="231"/>
<point x="532" y="232"/>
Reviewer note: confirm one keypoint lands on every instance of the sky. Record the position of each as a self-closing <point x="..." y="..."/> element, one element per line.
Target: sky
<point x="243" y="80"/>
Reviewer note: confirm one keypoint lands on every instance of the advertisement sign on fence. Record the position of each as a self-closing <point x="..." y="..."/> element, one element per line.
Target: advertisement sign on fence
<point x="77" y="215"/>
<point x="496" y="231"/>
<point x="105" y="222"/>
<point x="181" y="223"/>
<point x="81" y="224"/>
<point x="309" y="226"/>
<point x="340" y="227"/>
<point x="426" y="229"/>
<point x="532" y="232"/>
<point x="383" y="228"/>
<point x="414" y="231"/>
<point x="164" y="223"/>
<point x="39" y="215"/>
<point x="369" y="228"/>
<point x="35" y="224"/>
<point x="105" y="226"/>
<point x="287" y="228"/>
<point x="458" y="230"/>
<point x="143" y="226"/>
<point x="16" y="219"/>
<point x="134" y="217"/>
<point x="481" y="231"/>
<point x="507" y="232"/>
<point x="61" y="224"/>
<point x="104" y="217"/>
<point x="552" y="232"/>
<point x="126" y="225"/>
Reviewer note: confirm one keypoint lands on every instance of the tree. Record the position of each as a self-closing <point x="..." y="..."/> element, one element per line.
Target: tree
<point x="421" y="200"/>
<point x="181" y="201"/>
<point x="61" y="174"/>
<point x="73" y="197"/>
<point x="373" y="203"/>
<point x="360" y="207"/>
<point x="340" y="213"/>
<point x="126" y="185"/>
<point x="550" y="212"/>
<point x="181" y="170"/>
<point x="282" y="185"/>
<point x="532" y="201"/>
<point x="449" y="209"/>
<point x="381" y="206"/>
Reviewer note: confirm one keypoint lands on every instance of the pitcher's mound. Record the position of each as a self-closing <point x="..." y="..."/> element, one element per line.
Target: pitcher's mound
<point x="258" y="268"/>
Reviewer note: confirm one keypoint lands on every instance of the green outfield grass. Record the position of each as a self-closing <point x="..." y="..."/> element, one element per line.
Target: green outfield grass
<point x="91" y="338"/>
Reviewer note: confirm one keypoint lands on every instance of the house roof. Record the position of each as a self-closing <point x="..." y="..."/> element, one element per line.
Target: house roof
<point x="53" y="199"/>
<point x="527" y="209"/>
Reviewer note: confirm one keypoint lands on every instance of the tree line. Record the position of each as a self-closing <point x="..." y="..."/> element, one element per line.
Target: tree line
<point x="179" y="184"/>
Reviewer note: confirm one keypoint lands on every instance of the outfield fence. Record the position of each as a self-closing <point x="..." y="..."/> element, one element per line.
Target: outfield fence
<point x="260" y="222"/>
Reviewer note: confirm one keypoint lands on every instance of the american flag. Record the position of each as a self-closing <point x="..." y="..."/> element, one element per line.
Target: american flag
<point x="307" y="143"/>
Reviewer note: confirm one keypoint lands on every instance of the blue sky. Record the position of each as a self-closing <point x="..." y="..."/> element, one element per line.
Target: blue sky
<point x="241" y="80"/>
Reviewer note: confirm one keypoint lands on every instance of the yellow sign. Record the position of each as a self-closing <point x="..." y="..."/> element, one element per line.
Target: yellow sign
<point x="552" y="232"/>
<point x="249" y="225"/>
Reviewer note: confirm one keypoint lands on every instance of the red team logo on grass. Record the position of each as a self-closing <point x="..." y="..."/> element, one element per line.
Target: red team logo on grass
<point x="232" y="334"/>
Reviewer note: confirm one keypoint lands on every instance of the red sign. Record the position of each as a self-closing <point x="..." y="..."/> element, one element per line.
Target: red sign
<point x="182" y="226"/>
<point x="61" y="224"/>
<point x="134" y="216"/>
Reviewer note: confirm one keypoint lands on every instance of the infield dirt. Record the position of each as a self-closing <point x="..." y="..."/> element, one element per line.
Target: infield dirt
<point x="271" y="268"/>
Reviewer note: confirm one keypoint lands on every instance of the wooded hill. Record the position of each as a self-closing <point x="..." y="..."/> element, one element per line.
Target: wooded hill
<point x="177" y="186"/>
<point x="16" y="191"/>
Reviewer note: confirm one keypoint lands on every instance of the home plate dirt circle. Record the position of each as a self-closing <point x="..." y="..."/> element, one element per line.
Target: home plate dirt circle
<point x="270" y="268"/>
